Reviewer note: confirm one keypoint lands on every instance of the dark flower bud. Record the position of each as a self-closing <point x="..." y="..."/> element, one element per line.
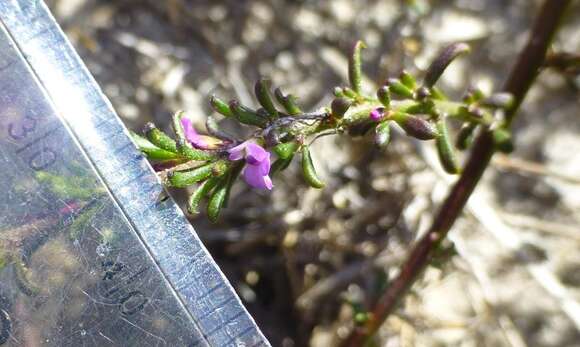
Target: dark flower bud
<point x="445" y="57"/>
<point x="384" y="96"/>
<point x="339" y="106"/>
<point x="423" y="93"/>
<point x="415" y="126"/>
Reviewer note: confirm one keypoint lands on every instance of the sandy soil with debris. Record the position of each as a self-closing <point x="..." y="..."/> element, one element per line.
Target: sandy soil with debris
<point x="296" y="255"/>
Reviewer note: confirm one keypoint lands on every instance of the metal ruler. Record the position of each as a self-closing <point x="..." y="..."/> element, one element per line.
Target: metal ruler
<point x="91" y="254"/>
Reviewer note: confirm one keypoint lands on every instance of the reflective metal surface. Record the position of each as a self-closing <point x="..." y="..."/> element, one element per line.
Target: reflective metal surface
<point x="91" y="253"/>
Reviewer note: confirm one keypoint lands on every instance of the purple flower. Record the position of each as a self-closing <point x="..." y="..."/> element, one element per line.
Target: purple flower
<point x="257" y="164"/>
<point x="197" y="140"/>
<point x="377" y="114"/>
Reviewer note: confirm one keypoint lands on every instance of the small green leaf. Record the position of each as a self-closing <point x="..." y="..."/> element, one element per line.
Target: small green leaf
<point x="349" y="93"/>
<point x="286" y="150"/>
<point x="308" y="170"/>
<point x="186" y="151"/>
<point x="354" y="67"/>
<point x="398" y="88"/>
<point x="220" y="106"/>
<point x="246" y="115"/>
<point x="201" y="192"/>
<point x="338" y="92"/>
<point x="262" y="90"/>
<point x="408" y="80"/>
<point x="177" y="126"/>
<point x="182" y="179"/>
<point x="445" y="57"/>
<point x="445" y="149"/>
<point x="465" y="136"/>
<point x="217" y="200"/>
<point x="502" y="140"/>
<point x="151" y="151"/>
<point x="383" y="134"/>
<point x="288" y="102"/>
<point x="159" y="138"/>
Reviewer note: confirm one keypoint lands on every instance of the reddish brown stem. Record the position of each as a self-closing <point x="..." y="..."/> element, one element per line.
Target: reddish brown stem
<point x="519" y="81"/>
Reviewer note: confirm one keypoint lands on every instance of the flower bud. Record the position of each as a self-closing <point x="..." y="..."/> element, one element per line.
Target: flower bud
<point x="384" y="96"/>
<point x="220" y="106"/>
<point x="445" y="57"/>
<point x="354" y="67"/>
<point x="377" y="114"/>
<point x="339" y="106"/>
<point x="262" y="90"/>
<point x="415" y="126"/>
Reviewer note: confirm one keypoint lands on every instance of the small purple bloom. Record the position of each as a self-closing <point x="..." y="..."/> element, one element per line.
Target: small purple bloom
<point x="257" y="164"/>
<point x="377" y="114"/>
<point x="197" y="140"/>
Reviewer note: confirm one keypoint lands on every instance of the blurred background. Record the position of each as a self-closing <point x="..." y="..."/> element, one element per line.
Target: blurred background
<point x="304" y="261"/>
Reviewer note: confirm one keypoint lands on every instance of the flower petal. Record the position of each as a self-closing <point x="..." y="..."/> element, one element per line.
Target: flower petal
<point x="191" y="135"/>
<point x="377" y="114"/>
<point x="264" y="165"/>
<point x="255" y="153"/>
<point x="237" y="152"/>
<point x="253" y="176"/>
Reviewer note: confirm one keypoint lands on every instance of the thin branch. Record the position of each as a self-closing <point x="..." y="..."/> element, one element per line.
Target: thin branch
<point x="519" y="81"/>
